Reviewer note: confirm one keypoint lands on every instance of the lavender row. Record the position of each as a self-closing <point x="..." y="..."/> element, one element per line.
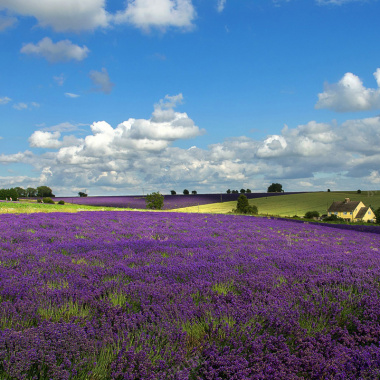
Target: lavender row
<point x="129" y="295"/>
<point x="170" y="201"/>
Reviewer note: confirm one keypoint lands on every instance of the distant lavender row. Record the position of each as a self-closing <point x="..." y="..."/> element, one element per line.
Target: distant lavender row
<point x="170" y="201"/>
<point x="130" y="295"/>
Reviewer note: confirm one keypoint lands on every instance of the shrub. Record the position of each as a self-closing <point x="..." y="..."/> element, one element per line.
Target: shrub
<point x="333" y="218"/>
<point x="47" y="200"/>
<point x="312" y="214"/>
<point x="243" y="207"/>
<point x="154" y="201"/>
<point x="61" y="202"/>
<point x="39" y="200"/>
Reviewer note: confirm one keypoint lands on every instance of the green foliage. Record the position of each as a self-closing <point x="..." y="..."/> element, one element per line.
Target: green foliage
<point x="39" y="200"/>
<point x="275" y="188"/>
<point x="194" y="192"/>
<point x="228" y="191"/>
<point x="333" y="218"/>
<point x="243" y="207"/>
<point x="235" y="192"/>
<point x="10" y="194"/>
<point x="359" y="191"/>
<point x="312" y="214"/>
<point x="48" y="200"/>
<point x="242" y="191"/>
<point x="248" y="191"/>
<point x="20" y="191"/>
<point x="154" y="201"/>
<point x="31" y="192"/>
<point x="44" y="191"/>
<point x="173" y="192"/>
<point x="377" y="214"/>
<point x="61" y="202"/>
<point x="82" y="194"/>
<point x="328" y="190"/>
<point x="185" y="192"/>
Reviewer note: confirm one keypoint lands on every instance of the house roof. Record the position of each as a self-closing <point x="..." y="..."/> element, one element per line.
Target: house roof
<point x="343" y="206"/>
<point x="362" y="212"/>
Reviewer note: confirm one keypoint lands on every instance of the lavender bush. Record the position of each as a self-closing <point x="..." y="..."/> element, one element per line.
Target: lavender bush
<point x="129" y="295"/>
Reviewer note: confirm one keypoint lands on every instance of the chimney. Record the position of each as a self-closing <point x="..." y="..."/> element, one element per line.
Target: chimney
<point x="346" y="200"/>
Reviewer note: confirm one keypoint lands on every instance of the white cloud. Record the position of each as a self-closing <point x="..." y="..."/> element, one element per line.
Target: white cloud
<point x="59" y="79"/>
<point x="337" y="2"/>
<point x="374" y="177"/>
<point x="162" y="14"/>
<point x="25" y="106"/>
<point x="349" y="94"/>
<point x="50" y="140"/>
<point x="61" y="51"/>
<point x="62" y="15"/>
<point x="102" y="81"/>
<point x="71" y="95"/>
<point x="6" y="22"/>
<point x="221" y="5"/>
<point x="5" y="100"/>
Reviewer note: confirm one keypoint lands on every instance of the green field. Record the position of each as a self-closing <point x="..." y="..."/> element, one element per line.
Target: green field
<point x="31" y="207"/>
<point x="295" y="204"/>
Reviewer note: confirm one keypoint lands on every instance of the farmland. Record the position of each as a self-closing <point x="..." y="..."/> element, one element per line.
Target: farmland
<point x="131" y="295"/>
<point x="293" y="204"/>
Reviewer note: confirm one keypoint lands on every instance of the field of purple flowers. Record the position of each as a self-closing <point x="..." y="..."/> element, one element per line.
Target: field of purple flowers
<point x="129" y="295"/>
<point x="170" y="201"/>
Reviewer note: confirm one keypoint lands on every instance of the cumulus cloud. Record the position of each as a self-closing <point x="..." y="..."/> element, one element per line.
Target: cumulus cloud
<point x="5" y="100"/>
<point x="142" y="152"/>
<point x="62" y="15"/>
<point x="101" y="81"/>
<point x="349" y="94"/>
<point x="62" y="51"/>
<point x="145" y="14"/>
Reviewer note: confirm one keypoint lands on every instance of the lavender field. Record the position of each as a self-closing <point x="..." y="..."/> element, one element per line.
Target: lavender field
<point x="170" y="201"/>
<point x="129" y="295"/>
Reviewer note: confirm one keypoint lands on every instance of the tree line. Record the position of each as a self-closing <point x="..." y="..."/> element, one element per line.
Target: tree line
<point x="15" y="193"/>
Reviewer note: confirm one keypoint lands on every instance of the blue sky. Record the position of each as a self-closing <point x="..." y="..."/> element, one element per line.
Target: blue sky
<point x="117" y="97"/>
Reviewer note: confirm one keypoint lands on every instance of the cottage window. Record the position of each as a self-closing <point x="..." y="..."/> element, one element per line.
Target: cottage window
<point x="336" y="213"/>
<point x="345" y="213"/>
<point x="369" y="212"/>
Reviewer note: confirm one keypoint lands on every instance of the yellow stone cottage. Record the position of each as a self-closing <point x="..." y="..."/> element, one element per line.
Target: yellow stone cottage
<point x="352" y="211"/>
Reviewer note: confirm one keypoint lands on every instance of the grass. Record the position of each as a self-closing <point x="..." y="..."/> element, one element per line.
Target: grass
<point x="294" y="204"/>
<point x="25" y="207"/>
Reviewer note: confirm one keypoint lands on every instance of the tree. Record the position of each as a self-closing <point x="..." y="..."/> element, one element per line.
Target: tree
<point x="377" y="214"/>
<point x="359" y="191"/>
<point x="243" y="206"/>
<point x="248" y="191"/>
<point x="328" y="190"/>
<point x="275" y="188"/>
<point x="228" y="191"/>
<point x="242" y="191"/>
<point x="82" y="194"/>
<point x="173" y="192"/>
<point x="312" y="214"/>
<point x="194" y="192"/>
<point x="185" y="192"/>
<point x="154" y="201"/>
<point x="31" y="192"/>
<point x="44" y="191"/>
<point x="20" y="191"/>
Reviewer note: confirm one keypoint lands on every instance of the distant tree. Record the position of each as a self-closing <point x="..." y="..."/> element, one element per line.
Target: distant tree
<point x="235" y="192"/>
<point x="194" y="192"/>
<point x="248" y="191"/>
<point x="243" y="206"/>
<point x="61" y="202"/>
<point x="377" y="214"/>
<point x="228" y="191"/>
<point x="359" y="191"/>
<point x="154" y="201"/>
<point x="20" y="191"/>
<point x="312" y="214"/>
<point x="328" y="190"/>
<point x="242" y="191"/>
<point x="31" y="192"/>
<point x="185" y="192"/>
<point x="10" y="194"/>
<point x="44" y="191"/>
<point x="82" y="194"/>
<point x="275" y="188"/>
<point x="173" y="192"/>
